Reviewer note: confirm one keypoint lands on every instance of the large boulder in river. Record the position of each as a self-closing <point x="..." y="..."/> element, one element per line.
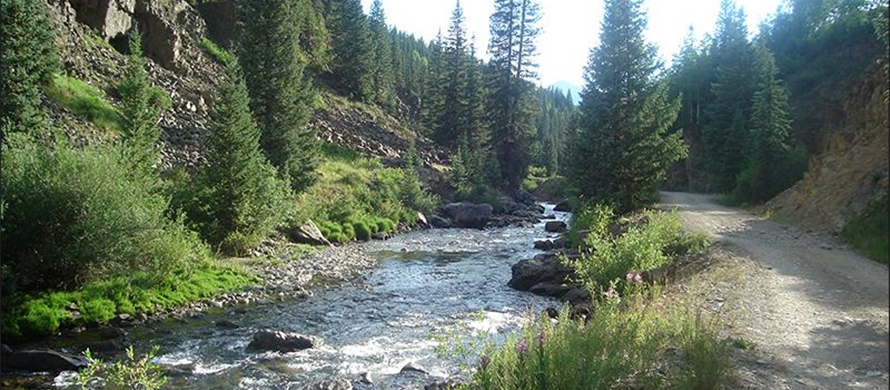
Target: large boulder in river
<point x="272" y="340"/>
<point x="43" y="360"/>
<point x="545" y="268"/>
<point x="563" y="206"/>
<point x="439" y="222"/>
<point x="555" y="227"/>
<point x="468" y="215"/>
<point x="309" y="233"/>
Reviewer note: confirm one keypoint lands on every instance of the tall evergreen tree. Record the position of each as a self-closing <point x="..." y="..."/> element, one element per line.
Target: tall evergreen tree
<point x="315" y="39"/>
<point x="769" y="130"/>
<point x="624" y="147"/>
<point x="281" y="97"/>
<point x="246" y="196"/>
<point x="353" y="53"/>
<point x="141" y="109"/>
<point x="29" y="59"/>
<point x="382" y="69"/>
<point x="452" y="123"/>
<point x="725" y="119"/>
<point x="511" y="105"/>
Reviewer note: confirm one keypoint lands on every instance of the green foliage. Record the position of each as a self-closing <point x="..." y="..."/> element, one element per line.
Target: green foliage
<point x="281" y="101"/>
<point x="511" y="100"/>
<point x="245" y="198"/>
<point x="555" y="112"/>
<point x="85" y="101"/>
<point x="868" y="232"/>
<point x="133" y="373"/>
<point x="381" y="65"/>
<point x="315" y="39"/>
<point x="624" y="147"/>
<point x="359" y="191"/>
<point x="29" y="57"/>
<point x="653" y="242"/>
<point x="768" y="139"/>
<point x="220" y="55"/>
<point x="362" y="231"/>
<point x="614" y="348"/>
<point x="141" y="110"/>
<point x="353" y="53"/>
<point x="100" y="301"/>
<point x="78" y="215"/>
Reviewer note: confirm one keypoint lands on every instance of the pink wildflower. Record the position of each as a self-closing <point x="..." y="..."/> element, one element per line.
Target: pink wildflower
<point x="521" y="347"/>
<point x="630" y="276"/>
<point x="611" y="293"/>
<point x="638" y="278"/>
<point x="542" y="338"/>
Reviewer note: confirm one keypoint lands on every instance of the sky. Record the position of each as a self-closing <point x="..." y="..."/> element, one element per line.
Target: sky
<point x="571" y="27"/>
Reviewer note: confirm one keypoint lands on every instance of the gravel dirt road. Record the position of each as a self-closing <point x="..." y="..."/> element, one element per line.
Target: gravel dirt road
<point x="816" y="311"/>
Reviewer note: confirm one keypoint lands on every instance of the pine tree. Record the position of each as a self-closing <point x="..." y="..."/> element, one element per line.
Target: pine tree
<point x="511" y="104"/>
<point x="141" y="109"/>
<point x="353" y="53"/>
<point x="281" y="97"/>
<point x="725" y="118"/>
<point x="315" y="40"/>
<point x="769" y="130"/>
<point x="451" y="120"/>
<point x="29" y="59"/>
<point x="382" y="70"/>
<point x="246" y="196"/>
<point x="624" y="149"/>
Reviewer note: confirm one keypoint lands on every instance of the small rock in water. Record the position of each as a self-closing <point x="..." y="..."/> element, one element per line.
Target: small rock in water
<point x="872" y="374"/>
<point x="226" y="324"/>
<point x="412" y="367"/>
<point x="330" y="384"/>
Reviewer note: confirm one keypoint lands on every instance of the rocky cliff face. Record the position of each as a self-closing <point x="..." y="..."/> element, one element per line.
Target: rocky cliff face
<point x="92" y="37"/>
<point x="852" y="170"/>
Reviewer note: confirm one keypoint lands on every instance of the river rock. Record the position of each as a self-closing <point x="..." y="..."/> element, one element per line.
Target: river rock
<point x="551" y="289"/>
<point x="469" y="215"/>
<point x="309" y="233"/>
<point x="541" y="269"/>
<point x="439" y="222"/>
<point x="544" y="245"/>
<point x="330" y="384"/>
<point x="412" y="367"/>
<point x="555" y="227"/>
<point x="40" y="360"/>
<point x="271" y="340"/>
<point x="563" y="206"/>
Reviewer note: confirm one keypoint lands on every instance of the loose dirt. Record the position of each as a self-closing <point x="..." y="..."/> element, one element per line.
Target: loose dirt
<point x="816" y="312"/>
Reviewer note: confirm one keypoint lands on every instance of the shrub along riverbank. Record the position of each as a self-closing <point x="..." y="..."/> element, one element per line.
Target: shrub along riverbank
<point x="628" y="341"/>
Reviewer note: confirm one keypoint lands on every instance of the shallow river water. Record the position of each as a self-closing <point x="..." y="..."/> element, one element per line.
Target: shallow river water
<point x="427" y="282"/>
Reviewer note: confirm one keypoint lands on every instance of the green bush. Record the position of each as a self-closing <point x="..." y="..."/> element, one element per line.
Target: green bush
<point x="85" y="101"/>
<point x="362" y="231"/>
<point x="133" y="373"/>
<point x="650" y="243"/>
<point x="76" y="215"/>
<point x="869" y="232"/>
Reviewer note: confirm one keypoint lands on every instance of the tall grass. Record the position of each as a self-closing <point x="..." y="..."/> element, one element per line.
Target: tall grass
<point x="356" y="197"/>
<point x="624" y="345"/>
<point x="85" y="101"/>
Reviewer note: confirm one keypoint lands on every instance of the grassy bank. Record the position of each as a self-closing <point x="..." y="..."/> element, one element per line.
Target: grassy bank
<point x="868" y="233"/>
<point x="100" y="302"/>
<point x="356" y="197"/>
<point x="630" y="341"/>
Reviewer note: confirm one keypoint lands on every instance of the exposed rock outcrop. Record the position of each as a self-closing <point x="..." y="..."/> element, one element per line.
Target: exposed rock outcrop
<point x="852" y="171"/>
<point x="309" y="233"/>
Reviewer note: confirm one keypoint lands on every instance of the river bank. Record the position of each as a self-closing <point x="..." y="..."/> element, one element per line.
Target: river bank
<point x="399" y="265"/>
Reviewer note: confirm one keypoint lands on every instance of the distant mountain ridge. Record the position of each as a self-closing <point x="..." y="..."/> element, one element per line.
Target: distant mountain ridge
<point x="564" y="85"/>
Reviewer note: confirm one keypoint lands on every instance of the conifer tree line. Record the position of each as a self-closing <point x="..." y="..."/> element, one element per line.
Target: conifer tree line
<point x="751" y="106"/>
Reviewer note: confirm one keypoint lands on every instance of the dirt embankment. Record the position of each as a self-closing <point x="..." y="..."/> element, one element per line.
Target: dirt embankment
<point x="817" y="312"/>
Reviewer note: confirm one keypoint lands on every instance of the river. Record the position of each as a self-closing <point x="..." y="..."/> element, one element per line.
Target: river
<point x="427" y="282"/>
